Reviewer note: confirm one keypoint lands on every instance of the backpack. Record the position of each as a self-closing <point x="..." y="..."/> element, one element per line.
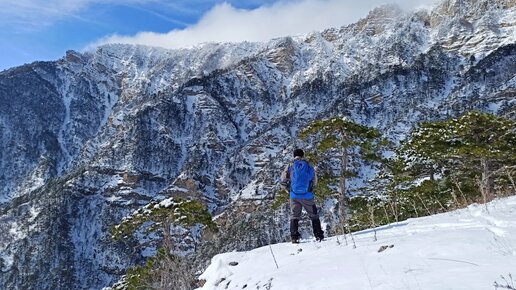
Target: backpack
<point x="301" y="175"/>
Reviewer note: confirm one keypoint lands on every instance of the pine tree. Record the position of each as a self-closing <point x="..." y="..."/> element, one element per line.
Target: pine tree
<point x="350" y="143"/>
<point x="164" y="270"/>
<point x="476" y="144"/>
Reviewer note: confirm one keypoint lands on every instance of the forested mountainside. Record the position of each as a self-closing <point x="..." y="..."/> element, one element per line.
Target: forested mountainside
<point x="88" y="139"/>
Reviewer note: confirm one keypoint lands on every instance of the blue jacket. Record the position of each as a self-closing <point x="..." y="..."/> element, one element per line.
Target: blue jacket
<point x="285" y="181"/>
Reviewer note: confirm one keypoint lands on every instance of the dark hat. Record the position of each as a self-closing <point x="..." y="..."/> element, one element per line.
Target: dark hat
<point x="299" y="152"/>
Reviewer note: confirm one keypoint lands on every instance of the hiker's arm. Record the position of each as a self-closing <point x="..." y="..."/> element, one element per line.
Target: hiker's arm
<point x="285" y="178"/>
<point x="314" y="180"/>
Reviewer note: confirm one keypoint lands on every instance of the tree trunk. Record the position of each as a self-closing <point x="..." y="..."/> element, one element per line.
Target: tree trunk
<point x="456" y="182"/>
<point x="373" y="222"/>
<point x="342" y="184"/>
<point x="386" y="213"/>
<point x="174" y="271"/>
<point x="455" y="199"/>
<point x="439" y="202"/>
<point x="423" y="203"/>
<point x="413" y="203"/>
<point x="166" y="263"/>
<point x="394" y="209"/>
<point x="487" y="183"/>
<point x="511" y="179"/>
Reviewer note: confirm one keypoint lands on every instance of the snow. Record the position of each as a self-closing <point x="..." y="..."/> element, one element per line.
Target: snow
<point x="15" y="232"/>
<point x="190" y="102"/>
<point x="494" y="107"/>
<point x="113" y="198"/>
<point x="8" y="261"/>
<point x="67" y="100"/>
<point x="176" y="188"/>
<point x="34" y="212"/>
<point x="166" y="203"/>
<point x="249" y="192"/>
<point x="36" y="182"/>
<point x="465" y="249"/>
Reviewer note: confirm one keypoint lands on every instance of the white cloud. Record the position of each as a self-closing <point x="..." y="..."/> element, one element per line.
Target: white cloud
<point x="224" y="23"/>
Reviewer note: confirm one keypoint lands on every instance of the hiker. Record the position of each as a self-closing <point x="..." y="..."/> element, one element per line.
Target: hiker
<point x="299" y="178"/>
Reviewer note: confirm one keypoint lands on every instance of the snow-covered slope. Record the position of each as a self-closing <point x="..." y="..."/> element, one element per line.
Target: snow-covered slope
<point x="465" y="249"/>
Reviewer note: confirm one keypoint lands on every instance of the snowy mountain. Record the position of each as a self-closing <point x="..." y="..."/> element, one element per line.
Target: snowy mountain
<point x="88" y="139"/>
<point x="469" y="248"/>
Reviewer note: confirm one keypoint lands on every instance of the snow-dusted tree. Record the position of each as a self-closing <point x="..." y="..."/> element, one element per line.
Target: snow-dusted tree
<point x="349" y="143"/>
<point x="477" y="144"/>
<point x="165" y="270"/>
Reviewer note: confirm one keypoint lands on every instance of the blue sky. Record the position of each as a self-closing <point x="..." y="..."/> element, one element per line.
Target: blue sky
<point x="32" y="30"/>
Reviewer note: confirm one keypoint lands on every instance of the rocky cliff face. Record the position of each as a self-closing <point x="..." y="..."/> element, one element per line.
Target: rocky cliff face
<point x="87" y="139"/>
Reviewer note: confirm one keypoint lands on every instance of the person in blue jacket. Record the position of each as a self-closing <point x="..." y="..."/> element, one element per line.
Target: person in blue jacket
<point x="300" y="178"/>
